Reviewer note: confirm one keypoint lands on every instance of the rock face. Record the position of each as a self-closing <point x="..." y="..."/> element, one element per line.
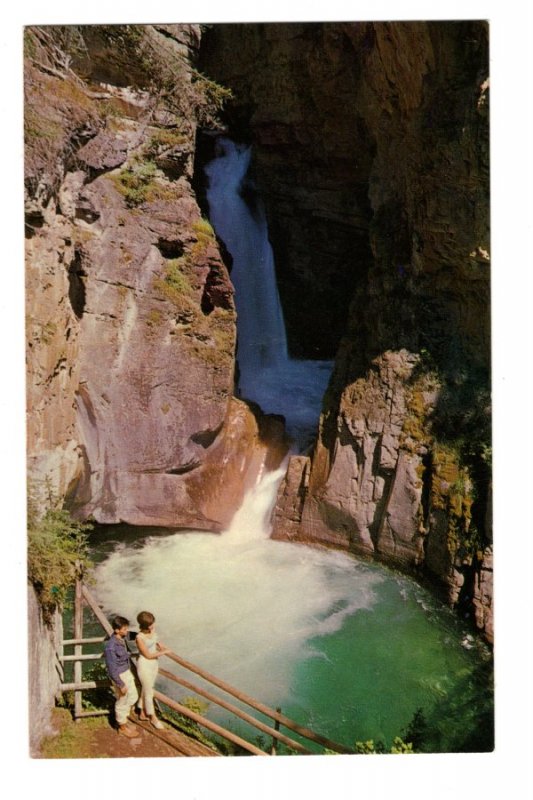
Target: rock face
<point x="43" y="678"/>
<point x="371" y="152"/>
<point x="131" y="320"/>
<point x="366" y="495"/>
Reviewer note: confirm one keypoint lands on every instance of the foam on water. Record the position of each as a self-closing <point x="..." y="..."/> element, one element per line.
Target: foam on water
<point x="239" y="605"/>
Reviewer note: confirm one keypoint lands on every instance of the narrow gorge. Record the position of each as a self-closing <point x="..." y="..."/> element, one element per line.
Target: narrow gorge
<point x="357" y="166"/>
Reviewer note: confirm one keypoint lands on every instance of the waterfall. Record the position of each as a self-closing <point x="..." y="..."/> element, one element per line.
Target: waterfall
<point x="279" y="384"/>
<point x="316" y="632"/>
<point x="262" y="341"/>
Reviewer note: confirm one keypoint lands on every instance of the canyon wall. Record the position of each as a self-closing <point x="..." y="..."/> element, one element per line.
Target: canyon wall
<point x="371" y="152"/>
<point x="44" y="673"/>
<point x="130" y="312"/>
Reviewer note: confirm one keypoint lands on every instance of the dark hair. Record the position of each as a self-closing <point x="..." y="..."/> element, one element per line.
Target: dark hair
<point x="119" y="622"/>
<point x="145" y="619"/>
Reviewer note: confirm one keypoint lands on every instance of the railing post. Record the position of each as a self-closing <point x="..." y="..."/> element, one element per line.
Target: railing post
<point x="273" y="749"/>
<point x="78" y="648"/>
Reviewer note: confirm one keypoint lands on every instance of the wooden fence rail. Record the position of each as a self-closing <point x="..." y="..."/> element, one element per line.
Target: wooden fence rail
<point x="83" y="596"/>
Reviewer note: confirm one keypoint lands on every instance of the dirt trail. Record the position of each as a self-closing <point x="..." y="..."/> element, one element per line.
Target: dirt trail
<point x="97" y="738"/>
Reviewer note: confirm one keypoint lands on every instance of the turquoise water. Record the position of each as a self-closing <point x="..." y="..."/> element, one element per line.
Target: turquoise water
<point x="349" y="649"/>
<point x="403" y="654"/>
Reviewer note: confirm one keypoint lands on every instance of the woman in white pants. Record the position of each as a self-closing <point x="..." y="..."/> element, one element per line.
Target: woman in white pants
<point x="150" y="650"/>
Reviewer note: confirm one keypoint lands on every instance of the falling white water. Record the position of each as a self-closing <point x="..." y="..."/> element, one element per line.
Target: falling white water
<point x="279" y="384"/>
<point x="262" y="341"/>
<point x="240" y="605"/>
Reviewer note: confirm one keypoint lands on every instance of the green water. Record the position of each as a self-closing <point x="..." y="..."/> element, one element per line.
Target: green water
<point x="349" y="649"/>
<point x="405" y="653"/>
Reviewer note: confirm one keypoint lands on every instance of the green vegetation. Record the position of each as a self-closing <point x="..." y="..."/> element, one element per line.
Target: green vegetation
<point x="185" y="724"/>
<point x="72" y="740"/>
<point x="57" y="549"/>
<point x="203" y="230"/>
<point x="151" y="61"/>
<point x="449" y="414"/>
<point x="164" y="139"/>
<point x="370" y="747"/>
<point x="136" y="181"/>
<point x="141" y="182"/>
<point x="100" y="699"/>
<point x="154" y="318"/>
<point x="175" y="277"/>
<point x="453" y="491"/>
<point x="175" y="287"/>
<point x="60" y="103"/>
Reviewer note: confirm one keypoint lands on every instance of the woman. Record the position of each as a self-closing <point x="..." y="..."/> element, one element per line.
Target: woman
<point x="150" y="650"/>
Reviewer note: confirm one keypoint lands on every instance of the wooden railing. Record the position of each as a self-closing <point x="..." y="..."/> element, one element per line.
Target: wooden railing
<point x="83" y="596"/>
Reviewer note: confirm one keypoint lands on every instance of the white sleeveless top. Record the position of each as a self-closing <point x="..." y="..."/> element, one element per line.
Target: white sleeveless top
<point x="150" y="642"/>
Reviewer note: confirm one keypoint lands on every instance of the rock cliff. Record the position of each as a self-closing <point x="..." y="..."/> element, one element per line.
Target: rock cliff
<point x="130" y="313"/>
<point x="371" y="152"/>
<point x="44" y="643"/>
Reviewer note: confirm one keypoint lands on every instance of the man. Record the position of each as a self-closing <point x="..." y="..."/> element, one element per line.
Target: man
<point x="117" y="659"/>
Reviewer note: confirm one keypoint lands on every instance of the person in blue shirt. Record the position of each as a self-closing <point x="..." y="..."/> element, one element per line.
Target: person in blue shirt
<point x="117" y="659"/>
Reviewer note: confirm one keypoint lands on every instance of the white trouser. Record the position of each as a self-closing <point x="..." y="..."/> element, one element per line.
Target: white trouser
<point x="124" y="702"/>
<point x="147" y="669"/>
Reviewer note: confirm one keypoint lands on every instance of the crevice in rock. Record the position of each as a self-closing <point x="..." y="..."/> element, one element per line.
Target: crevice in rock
<point x="215" y="293"/>
<point x="76" y="285"/>
<point x="86" y="212"/>
<point x="170" y="248"/>
<point x="183" y="469"/>
<point x="206" y="438"/>
<point x="32" y="222"/>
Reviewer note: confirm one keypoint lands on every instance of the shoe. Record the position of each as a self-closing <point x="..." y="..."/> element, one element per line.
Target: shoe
<point x="157" y="724"/>
<point x="126" y="730"/>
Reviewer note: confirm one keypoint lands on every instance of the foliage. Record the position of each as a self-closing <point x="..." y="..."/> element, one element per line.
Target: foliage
<point x="135" y="181"/>
<point x="164" y="139"/>
<point x="102" y="697"/>
<point x="175" y="277"/>
<point x="153" y="62"/>
<point x="416" y="730"/>
<point x="371" y="747"/>
<point x="176" y="288"/>
<point x="186" y="724"/>
<point x="57" y="548"/>
<point x="61" y="108"/>
<point x="399" y="746"/>
<point x="203" y="229"/>
<point x="463" y="720"/>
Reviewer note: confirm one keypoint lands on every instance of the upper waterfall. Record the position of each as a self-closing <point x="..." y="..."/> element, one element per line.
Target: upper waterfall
<point x="262" y="341"/>
<point x="267" y="375"/>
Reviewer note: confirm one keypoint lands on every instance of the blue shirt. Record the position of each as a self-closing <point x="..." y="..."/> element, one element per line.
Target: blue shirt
<point x="117" y="658"/>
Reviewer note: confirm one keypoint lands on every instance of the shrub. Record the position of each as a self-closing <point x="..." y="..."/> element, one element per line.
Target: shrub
<point x="57" y="549"/>
<point x="186" y="724"/>
<point x="135" y="181"/>
<point x="176" y="288"/>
